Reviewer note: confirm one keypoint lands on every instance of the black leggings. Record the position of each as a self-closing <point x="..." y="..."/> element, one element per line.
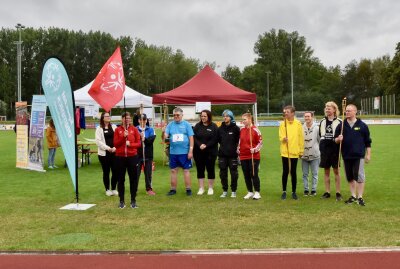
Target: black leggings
<point x="123" y="164"/>
<point x="252" y="180"/>
<point x="203" y="162"/>
<point x="107" y="165"/>
<point x="285" y="173"/>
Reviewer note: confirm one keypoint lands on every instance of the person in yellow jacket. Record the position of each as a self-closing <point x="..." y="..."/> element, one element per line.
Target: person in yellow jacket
<point x="291" y="139"/>
<point x="52" y="144"/>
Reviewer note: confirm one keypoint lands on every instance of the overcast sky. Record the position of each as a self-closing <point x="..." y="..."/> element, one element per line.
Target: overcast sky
<point x="225" y="31"/>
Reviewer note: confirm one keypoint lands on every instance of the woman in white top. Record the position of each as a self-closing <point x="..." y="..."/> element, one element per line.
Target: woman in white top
<point x="106" y="152"/>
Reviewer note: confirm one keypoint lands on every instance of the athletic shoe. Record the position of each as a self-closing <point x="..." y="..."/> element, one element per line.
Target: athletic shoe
<point x="55" y="166"/>
<point x="283" y="196"/>
<point x="171" y="192"/>
<point x="224" y="194"/>
<point x="233" y="194"/>
<point x="306" y="193"/>
<point x="51" y="167"/>
<point x="351" y="200"/>
<point x="121" y="205"/>
<point x="188" y="192"/>
<point x="109" y="193"/>
<point x="361" y="201"/>
<point x="248" y="195"/>
<point x="294" y="196"/>
<point x="114" y="192"/>
<point x="256" y="196"/>
<point x="201" y="191"/>
<point x="134" y="205"/>
<point x="339" y="197"/>
<point x="326" y="195"/>
<point x="210" y="191"/>
<point x="151" y="192"/>
<point x="313" y="193"/>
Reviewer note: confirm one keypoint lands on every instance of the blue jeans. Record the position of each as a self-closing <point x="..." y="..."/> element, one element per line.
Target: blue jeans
<point x="52" y="155"/>
<point x="314" y="165"/>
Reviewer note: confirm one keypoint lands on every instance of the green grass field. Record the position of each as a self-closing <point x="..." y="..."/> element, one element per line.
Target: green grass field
<point x="30" y="217"/>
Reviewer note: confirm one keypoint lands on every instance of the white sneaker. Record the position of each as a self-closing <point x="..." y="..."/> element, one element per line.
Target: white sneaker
<point x="248" y="195"/>
<point x="201" y="191"/>
<point x="210" y="191"/>
<point x="224" y="194"/>
<point x="54" y="166"/>
<point x="51" y="167"/>
<point x="256" y="196"/>
<point x="109" y="193"/>
<point x="114" y="192"/>
<point x="233" y="194"/>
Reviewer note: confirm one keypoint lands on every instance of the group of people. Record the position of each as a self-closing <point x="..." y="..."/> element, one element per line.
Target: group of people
<point x="129" y="148"/>
<point x="321" y="146"/>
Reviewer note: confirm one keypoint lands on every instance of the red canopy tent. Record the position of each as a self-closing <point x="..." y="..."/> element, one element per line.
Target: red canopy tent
<point x="206" y="86"/>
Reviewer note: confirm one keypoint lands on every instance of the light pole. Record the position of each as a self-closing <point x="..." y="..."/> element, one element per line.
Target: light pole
<point x="268" y="72"/>
<point x="19" y="42"/>
<point x="291" y="66"/>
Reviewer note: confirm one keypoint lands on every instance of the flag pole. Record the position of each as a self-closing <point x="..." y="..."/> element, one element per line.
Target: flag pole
<point x="251" y="141"/>
<point x="165" y="123"/>
<point x="143" y="127"/>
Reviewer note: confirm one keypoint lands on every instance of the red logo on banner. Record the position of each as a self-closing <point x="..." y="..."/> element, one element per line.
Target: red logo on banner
<point x="109" y="86"/>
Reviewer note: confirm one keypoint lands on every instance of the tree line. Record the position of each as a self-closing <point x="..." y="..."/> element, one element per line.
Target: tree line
<point x="151" y="69"/>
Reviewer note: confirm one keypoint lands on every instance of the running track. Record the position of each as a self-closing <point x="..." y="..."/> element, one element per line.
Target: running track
<point x="354" y="258"/>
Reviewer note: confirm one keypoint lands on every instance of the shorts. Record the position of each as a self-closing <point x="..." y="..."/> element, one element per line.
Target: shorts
<point x="179" y="160"/>
<point x="354" y="169"/>
<point x="329" y="158"/>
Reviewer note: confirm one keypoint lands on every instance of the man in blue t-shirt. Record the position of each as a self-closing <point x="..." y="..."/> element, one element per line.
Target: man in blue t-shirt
<point x="180" y="134"/>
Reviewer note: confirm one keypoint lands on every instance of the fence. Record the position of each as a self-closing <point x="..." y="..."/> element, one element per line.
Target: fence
<point x="381" y="105"/>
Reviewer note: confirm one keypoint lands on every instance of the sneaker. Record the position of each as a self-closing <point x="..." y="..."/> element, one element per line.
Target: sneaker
<point x="361" y="201"/>
<point x="151" y="192"/>
<point x="326" y="195"/>
<point x="134" y="205"/>
<point x="351" y="200"/>
<point x="201" y="191"/>
<point x="248" y="195"/>
<point x="306" y="193"/>
<point x="109" y="193"/>
<point x="256" y="196"/>
<point x="188" y="192"/>
<point x="114" y="192"/>
<point x="233" y="194"/>
<point x="339" y="197"/>
<point x="294" y="196"/>
<point x="51" y="167"/>
<point x="121" y="205"/>
<point x="224" y="194"/>
<point x="171" y="192"/>
<point x="210" y="191"/>
<point x="283" y="196"/>
<point x="313" y="193"/>
<point x="55" y="166"/>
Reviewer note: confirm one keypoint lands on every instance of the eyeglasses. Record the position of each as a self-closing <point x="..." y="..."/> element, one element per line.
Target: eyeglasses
<point x="177" y="115"/>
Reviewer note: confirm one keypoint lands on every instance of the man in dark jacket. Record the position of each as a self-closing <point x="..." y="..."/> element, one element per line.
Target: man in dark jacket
<point x="228" y="139"/>
<point x="356" y="149"/>
<point x="148" y="136"/>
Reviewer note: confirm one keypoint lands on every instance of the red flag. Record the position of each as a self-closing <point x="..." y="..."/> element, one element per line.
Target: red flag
<point x="109" y="86"/>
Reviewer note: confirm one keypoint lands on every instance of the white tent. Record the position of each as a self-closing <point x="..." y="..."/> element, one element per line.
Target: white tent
<point x="132" y="98"/>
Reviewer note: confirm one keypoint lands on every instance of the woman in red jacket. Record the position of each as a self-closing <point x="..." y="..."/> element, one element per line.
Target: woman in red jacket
<point x="250" y="144"/>
<point x="126" y="141"/>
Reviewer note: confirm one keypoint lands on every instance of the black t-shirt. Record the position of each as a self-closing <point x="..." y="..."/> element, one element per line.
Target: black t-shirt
<point x="109" y="136"/>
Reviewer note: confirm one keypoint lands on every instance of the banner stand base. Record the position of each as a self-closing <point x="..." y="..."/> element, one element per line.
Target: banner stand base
<point x="76" y="206"/>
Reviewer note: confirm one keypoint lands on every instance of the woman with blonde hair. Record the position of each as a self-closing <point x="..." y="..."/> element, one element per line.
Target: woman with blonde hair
<point x="249" y="147"/>
<point x="329" y="149"/>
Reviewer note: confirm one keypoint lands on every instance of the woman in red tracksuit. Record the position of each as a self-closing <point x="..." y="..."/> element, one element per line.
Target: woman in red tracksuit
<point x="127" y="141"/>
<point x="250" y="144"/>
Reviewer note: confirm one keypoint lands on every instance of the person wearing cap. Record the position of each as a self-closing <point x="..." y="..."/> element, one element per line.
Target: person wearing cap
<point x="228" y="139"/>
<point x="148" y="136"/>
<point x="205" y="150"/>
<point x="180" y="134"/>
